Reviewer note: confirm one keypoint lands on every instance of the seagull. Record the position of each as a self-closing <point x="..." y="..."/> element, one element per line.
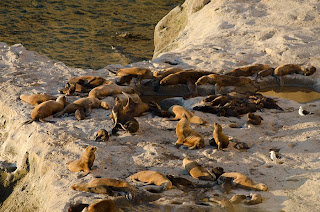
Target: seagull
<point x="303" y="112"/>
<point x="274" y="155"/>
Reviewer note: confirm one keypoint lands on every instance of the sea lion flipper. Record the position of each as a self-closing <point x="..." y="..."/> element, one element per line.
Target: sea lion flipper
<point x="28" y="122"/>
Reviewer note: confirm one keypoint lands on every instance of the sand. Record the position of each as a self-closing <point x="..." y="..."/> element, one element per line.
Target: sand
<point x="232" y="34"/>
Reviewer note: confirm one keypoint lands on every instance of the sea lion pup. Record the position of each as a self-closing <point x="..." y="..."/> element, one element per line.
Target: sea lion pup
<point x="197" y="171"/>
<point x="103" y="91"/>
<point x="86" y="103"/>
<point x="102" y="135"/>
<point x="70" y="89"/>
<point x="134" y="109"/>
<point x="105" y="205"/>
<point x="310" y="71"/>
<point x="254" y="119"/>
<point x="126" y="75"/>
<point x="255" y="199"/>
<point x="187" y="136"/>
<point x="179" y="111"/>
<point x="36" y="99"/>
<point x="152" y="177"/>
<point x="79" y="114"/>
<point x="122" y="120"/>
<point x="248" y="71"/>
<point x="88" y="81"/>
<point x="220" y="139"/>
<point x="243" y="181"/>
<point x="46" y="109"/>
<point x="114" y="184"/>
<point x="85" y="162"/>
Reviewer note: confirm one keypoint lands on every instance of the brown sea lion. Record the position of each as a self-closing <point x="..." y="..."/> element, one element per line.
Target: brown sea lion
<point x="248" y="71"/>
<point x="102" y="135"/>
<point x="86" y="103"/>
<point x="85" y="162"/>
<point x="254" y="119"/>
<point x="243" y="181"/>
<point x="123" y="97"/>
<point x="167" y="72"/>
<point x="79" y="114"/>
<point x="152" y="177"/>
<point x="255" y="199"/>
<point x="236" y="199"/>
<point x="114" y="184"/>
<point x="265" y="73"/>
<point x="182" y="77"/>
<point x="179" y="111"/>
<point x="105" y="205"/>
<point x="289" y="69"/>
<point x="122" y="120"/>
<point x="220" y="138"/>
<point x="187" y="136"/>
<point x="225" y="80"/>
<point x="197" y="171"/>
<point x="46" y="109"/>
<point x="103" y="91"/>
<point x="126" y="74"/>
<point x="36" y="99"/>
<point x="135" y="109"/>
<point x="70" y="89"/>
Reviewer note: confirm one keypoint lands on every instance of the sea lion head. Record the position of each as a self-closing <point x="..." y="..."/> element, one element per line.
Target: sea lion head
<point x="217" y="127"/>
<point x="91" y="149"/>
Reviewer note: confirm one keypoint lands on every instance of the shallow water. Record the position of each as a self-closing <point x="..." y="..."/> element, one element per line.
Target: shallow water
<point x="84" y="33"/>
<point x="298" y="94"/>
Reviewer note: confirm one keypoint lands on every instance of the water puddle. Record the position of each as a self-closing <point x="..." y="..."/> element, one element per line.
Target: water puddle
<point x="298" y="94"/>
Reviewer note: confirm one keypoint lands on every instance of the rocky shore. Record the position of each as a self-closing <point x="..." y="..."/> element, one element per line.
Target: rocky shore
<point x="215" y="36"/>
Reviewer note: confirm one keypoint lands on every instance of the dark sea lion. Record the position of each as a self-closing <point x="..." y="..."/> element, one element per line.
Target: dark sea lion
<point x="310" y="70"/>
<point x="105" y="205"/>
<point x="254" y="119"/>
<point x="122" y="120"/>
<point x="88" y="81"/>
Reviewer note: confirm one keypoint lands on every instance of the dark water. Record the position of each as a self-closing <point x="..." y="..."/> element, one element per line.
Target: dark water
<point x="298" y="94"/>
<point x="84" y="33"/>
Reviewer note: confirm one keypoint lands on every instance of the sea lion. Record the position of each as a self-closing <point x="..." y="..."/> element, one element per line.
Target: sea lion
<point x="182" y="77"/>
<point x="236" y="199"/>
<point x="197" y="171"/>
<point x="126" y="75"/>
<point x="179" y="111"/>
<point x="102" y="135"/>
<point x="180" y="182"/>
<point x="243" y="181"/>
<point x="46" y="109"/>
<point x="86" y="103"/>
<point x="122" y="120"/>
<point x="171" y="70"/>
<point x="187" y="136"/>
<point x="254" y="119"/>
<point x="134" y="109"/>
<point x="225" y="80"/>
<point x="220" y="138"/>
<point x="105" y="205"/>
<point x="156" y="110"/>
<point x="310" y="71"/>
<point x="152" y="177"/>
<point x="114" y="184"/>
<point x="36" y="99"/>
<point x="88" y="81"/>
<point x="289" y="69"/>
<point x="103" y="91"/>
<point x="255" y="199"/>
<point x="70" y="89"/>
<point x="124" y="97"/>
<point x="85" y="162"/>
<point x="79" y="114"/>
<point x="217" y="171"/>
<point x="241" y="146"/>
<point x="265" y="73"/>
<point x="248" y="71"/>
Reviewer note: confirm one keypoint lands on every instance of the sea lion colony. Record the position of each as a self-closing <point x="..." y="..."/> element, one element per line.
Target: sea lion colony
<point x="229" y="105"/>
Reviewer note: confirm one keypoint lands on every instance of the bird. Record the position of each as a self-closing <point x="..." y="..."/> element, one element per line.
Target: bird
<point x="303" y="112"/>
<point x="274" y="155"/>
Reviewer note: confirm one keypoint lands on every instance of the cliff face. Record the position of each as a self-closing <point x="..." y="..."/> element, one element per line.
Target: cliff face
<point x="224" y="34"/>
